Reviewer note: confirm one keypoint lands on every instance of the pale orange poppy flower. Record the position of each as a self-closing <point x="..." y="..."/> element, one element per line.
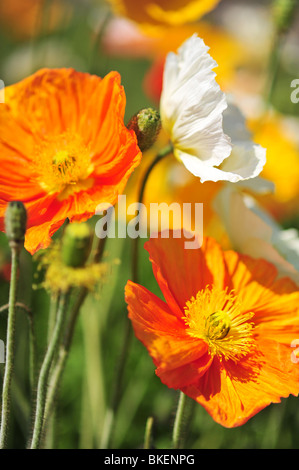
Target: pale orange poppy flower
<point x="160" y="12"/>
<point x="64" y="148"/>
<point x="223" y="334"/>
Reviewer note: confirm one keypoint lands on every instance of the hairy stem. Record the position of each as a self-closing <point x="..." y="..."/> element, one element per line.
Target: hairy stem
<point x="64" y="349"/>
<point x="44" y="372"/>
<point x="6" y="392"/>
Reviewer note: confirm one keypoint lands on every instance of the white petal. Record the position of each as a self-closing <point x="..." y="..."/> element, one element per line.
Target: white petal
<point x="242" y="164"/>
<point x="192" y="103"/>
<point x="209" y="137"/>
<point x="204" y="170"/>
<point x="246" y="159"/>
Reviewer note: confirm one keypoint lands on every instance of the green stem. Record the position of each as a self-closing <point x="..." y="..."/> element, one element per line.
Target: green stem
<point x="111" y="411"/>
<point x="5" y="413"/>
<point x="179" y="423"/>
<point x="274" y="66"/>
<point x="54" y="302"/>
<point x="94" y="373"/>
<point x="63" y="355"/>
<point x="32" y="352"/>
<point x="163" y="153"/>
<point x="32" y="339"/>
<point x="148" y="433"/>
<point x="54" y="383"/>
<point x="44" y="373"/>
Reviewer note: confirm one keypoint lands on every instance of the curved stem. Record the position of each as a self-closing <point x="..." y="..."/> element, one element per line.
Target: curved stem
<point x="19" y="305"/>
<point x="163" y="153"/>
<point x="15" y="253"/>
<point x="44" y="373"/>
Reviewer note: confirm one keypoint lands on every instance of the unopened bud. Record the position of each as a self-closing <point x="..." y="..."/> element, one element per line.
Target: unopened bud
<point x="15" y="223"/>
<point x="146" y="124"/>
<point x="283" y="11"/>
<point x="76" y="244"/>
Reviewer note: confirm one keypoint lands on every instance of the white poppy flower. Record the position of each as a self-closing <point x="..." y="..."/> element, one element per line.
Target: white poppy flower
<point x="208" y="135"/>
<point x="252" y="231"/>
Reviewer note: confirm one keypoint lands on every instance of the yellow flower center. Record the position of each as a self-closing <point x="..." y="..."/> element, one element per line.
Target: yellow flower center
<point x="217" y="317"/>
<point x="63" y="165"/>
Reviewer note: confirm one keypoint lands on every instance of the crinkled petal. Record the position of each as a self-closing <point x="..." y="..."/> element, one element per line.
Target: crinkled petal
<point x="233" y="393"/>
<point x="210" y="138"/>
<point x="192" y="103"/>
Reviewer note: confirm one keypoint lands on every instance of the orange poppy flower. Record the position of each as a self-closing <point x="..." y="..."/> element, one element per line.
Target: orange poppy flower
<point x="224" y="334"/>
<point x="64" y="148"/>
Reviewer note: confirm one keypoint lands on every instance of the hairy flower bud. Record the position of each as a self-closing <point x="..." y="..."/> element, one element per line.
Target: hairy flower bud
<point x="15" y="223"/>
<point x="76" y="244"/>
<point x="146" y="124"/>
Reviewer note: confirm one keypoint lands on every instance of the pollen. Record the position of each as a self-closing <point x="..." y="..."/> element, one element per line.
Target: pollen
<point x="63" y="165"/>
<point x="58" y="277"/>
<point x="218" y="317"/>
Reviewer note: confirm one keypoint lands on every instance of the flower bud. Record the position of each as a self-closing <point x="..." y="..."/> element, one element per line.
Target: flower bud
<point x="15" y="223"/>
<point x="283" y="11"/>
<point x="146" y="124"/>
<point x="76" y="244"/>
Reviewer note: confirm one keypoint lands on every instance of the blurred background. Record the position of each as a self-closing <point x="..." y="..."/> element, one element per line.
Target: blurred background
<point x="257" y="69"/>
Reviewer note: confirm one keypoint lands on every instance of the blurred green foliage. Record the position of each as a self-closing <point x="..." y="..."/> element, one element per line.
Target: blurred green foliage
<point x="88" y="380"/>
